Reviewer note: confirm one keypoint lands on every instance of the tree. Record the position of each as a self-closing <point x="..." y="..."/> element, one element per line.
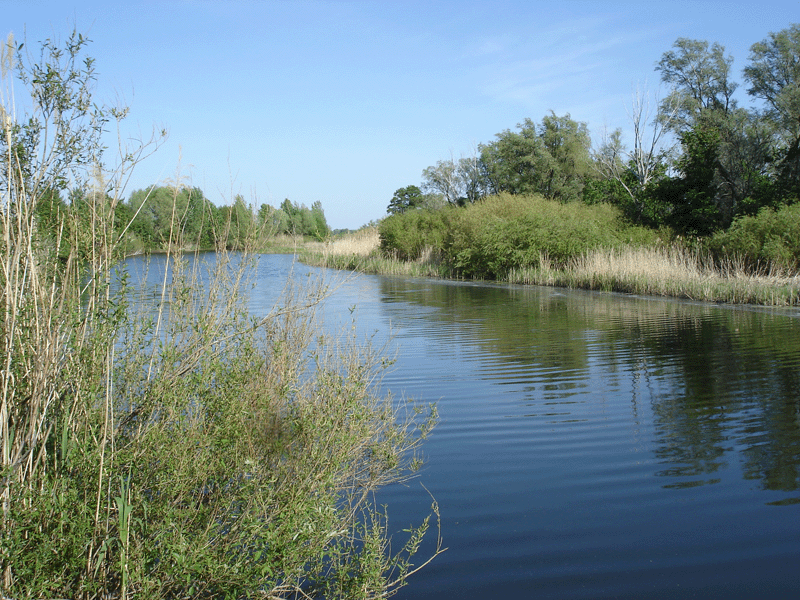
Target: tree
<point x="405" y="198"/>
<point x="551" y="158"/>
<point x="703" y="113"/>
<point x="690" y="198"/>
<point x="444" y="178"/>
<point x="774" y="76"/>
<point x="568" y="145"/>
<point x="699" y="76"/>
<point x="637" y="169"/>
<point x="239" y="224"/>
<point x="319" y="224"/>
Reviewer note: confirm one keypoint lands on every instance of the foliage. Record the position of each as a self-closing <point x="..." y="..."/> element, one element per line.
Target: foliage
<point x="507" y="232"/>
<point x="754" y="155"/>
<point x="770" y="239"/>
<point x="406" y="236"/>
<point x="774" y="76"/>
<point x="406" y="198"/>
<point x="300" y="220"/>
<point x="457" y="181"/>
<point x="551" y="159"/>
<point x="489" y="238"/>
<point x="690" y="197"/>
<point x="153" y="213"/>
<point x="164" y="442"/>
<point x="700" y="77"/>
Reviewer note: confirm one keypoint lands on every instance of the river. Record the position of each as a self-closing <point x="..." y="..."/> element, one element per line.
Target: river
<point x="591" y="445"/>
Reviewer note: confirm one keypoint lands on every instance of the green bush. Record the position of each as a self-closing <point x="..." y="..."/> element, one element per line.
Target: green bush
<point x="487" y="239"/>
<point x="170" y="444"/>
<point x="769" y="239"/>
<point x="406" y="235"/>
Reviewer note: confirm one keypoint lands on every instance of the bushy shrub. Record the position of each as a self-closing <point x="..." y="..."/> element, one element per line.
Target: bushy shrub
<point x="407" y="235"/>
<point x="769" y="239"/>
<point x="487" y="239"/>
<point x="166" y="443"/>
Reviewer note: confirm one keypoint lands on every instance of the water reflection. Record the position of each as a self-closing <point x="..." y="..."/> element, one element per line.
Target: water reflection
<point x="722" y="383"/>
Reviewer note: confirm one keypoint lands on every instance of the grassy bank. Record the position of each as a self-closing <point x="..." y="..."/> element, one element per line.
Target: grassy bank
<point x="657" y="270"/>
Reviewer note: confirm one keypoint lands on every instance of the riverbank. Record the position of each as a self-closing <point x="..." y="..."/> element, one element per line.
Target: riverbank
<point x="663" y="271"/>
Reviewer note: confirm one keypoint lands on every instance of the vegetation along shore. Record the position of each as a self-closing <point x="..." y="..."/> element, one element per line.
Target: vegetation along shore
<point x="166" y="443"/>
<point x="702" y="205"/>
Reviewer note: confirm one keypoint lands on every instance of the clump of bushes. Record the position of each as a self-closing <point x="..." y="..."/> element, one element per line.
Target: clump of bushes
<point x="487" y="239"/>
<point x="770" y="239"/>
<point x="407" y="235"/>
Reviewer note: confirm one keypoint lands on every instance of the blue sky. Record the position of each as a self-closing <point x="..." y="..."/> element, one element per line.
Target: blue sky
<point x="346" y="101"/>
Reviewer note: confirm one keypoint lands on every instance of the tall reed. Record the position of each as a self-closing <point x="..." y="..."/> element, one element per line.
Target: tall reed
<point x="165" y="442"/>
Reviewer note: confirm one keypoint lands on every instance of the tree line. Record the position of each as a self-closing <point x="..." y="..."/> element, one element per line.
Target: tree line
<point x="160" y="215"/>
<point x="697" y="163"/>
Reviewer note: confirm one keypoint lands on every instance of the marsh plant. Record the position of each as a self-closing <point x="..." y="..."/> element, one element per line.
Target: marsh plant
<point x="167" y="443"/>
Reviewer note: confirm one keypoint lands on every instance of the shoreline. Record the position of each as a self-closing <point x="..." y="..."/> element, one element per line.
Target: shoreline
<point x="661" y="272"/>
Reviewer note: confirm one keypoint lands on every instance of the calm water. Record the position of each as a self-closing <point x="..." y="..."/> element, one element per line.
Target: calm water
<point x="590" y="445"/>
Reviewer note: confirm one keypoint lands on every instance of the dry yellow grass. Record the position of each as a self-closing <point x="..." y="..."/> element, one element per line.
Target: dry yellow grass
<point x="667" y="272"/>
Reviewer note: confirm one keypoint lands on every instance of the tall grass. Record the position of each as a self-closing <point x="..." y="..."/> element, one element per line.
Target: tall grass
<point x="167" y="444"/>
<point x="666" y="271"/>
<point x="360" y="251"/>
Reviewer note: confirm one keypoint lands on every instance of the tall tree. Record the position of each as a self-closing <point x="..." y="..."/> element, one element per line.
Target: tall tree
<point x="710" y="125"/>
<point x="552" y="158"/>
<point x="774" y="76"/>
<point x="445" y="178"/>
<point x="635" y="170"/>
<point x="700" y="78"/>
<point x="319" y="224"/>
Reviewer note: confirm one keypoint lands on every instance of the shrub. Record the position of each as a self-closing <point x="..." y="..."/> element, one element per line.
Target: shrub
<point x="168" y="444"/>
<point x="770" y="239"/>
<point x="408" y="234"/>
<point x="487" y="239"/>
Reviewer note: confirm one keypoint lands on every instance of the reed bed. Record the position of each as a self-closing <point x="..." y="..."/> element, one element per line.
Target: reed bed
<point x="360" y="251"/>
<point x="671" y="271"/>
<point x="667" y="271"/>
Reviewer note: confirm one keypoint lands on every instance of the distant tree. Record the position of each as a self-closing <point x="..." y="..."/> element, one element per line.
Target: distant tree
<point x="239" y="223"/>
<point x="568" y="146"/>
<point x="319" y="225"/>
<point x="704" y="115"/>
<point x="774" y="76"/>
<point x="294" y="224"/>
<point x="294" y="219"/>
<point x="635" y="170"/>
<point x="690" y="198"/>
<point x="445" y="178"/>
<point x="405" y="198"/>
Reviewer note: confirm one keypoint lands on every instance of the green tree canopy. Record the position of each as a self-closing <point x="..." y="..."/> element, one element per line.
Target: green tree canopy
<point x="700" y="77"/>
<point x="774" y="76"/>
<point x="551" y="158"/>
<point x="405" y="198"/>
